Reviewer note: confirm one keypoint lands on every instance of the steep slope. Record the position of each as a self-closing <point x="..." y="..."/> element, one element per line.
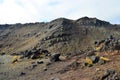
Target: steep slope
<point x="60" y="35"/>
<point x="66" y="35"/>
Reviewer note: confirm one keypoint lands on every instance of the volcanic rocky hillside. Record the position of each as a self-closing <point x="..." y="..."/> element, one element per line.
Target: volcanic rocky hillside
<point x="60" y="35"/>
<point x="63" y="49"/>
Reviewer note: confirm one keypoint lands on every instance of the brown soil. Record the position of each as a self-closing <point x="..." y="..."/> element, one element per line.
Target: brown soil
<point x="60" y="69"/>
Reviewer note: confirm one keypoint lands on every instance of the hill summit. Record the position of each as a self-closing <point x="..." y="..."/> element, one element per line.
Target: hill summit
<point x="92" y="21"/>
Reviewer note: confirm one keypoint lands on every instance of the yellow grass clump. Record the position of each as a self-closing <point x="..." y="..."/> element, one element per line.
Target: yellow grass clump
<point x="104" y="58"/>
<point x="89" y="61"/>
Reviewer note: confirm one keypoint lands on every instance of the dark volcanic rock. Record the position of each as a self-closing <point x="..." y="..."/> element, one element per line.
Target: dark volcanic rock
<point x="35" y="53"/>
<point x="94" y="59"/>
<point x="40" y="62"/>
<point x="22" y="74"/>
<point x="55" y="57"/>
<point x="92" y="21"/>
<point x="110" y="43"/>
<point x="110" y="75"/>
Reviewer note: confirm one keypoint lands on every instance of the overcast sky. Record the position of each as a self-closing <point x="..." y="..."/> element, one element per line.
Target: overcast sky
<point x="24" y="11"/>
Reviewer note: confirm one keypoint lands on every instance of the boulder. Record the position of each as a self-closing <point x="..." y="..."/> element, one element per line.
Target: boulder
<point x="62" y="58"/>
<point x="101" y="62"/>
<point x="90" y="60"/>
<point x="94" y="59"/>
<point x="55" y="57"/>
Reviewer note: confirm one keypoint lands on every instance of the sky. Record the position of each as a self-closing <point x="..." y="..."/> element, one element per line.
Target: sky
<point x="25" y="11"/>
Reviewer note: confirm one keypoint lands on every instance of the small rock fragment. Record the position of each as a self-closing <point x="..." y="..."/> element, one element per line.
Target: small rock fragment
<point x="45" y="69"/>
<point x="22" y="73"/>
<point x="40" y="62"/>
<point x="54" y="78"/>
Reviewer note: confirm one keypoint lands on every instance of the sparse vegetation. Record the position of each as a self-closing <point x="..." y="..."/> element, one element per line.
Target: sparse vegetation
<point x="80" y="49"/>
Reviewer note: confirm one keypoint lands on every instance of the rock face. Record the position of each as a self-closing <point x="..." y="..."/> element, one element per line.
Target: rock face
<point x="92" y="21"/>
<point x="35" y="53"/>
<point x="110" y="43"/>
<point x="60" y="35"/>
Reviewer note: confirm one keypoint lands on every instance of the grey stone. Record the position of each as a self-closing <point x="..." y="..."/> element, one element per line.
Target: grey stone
<point x="101" y="62"/>
<point x="94" y="59"/>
